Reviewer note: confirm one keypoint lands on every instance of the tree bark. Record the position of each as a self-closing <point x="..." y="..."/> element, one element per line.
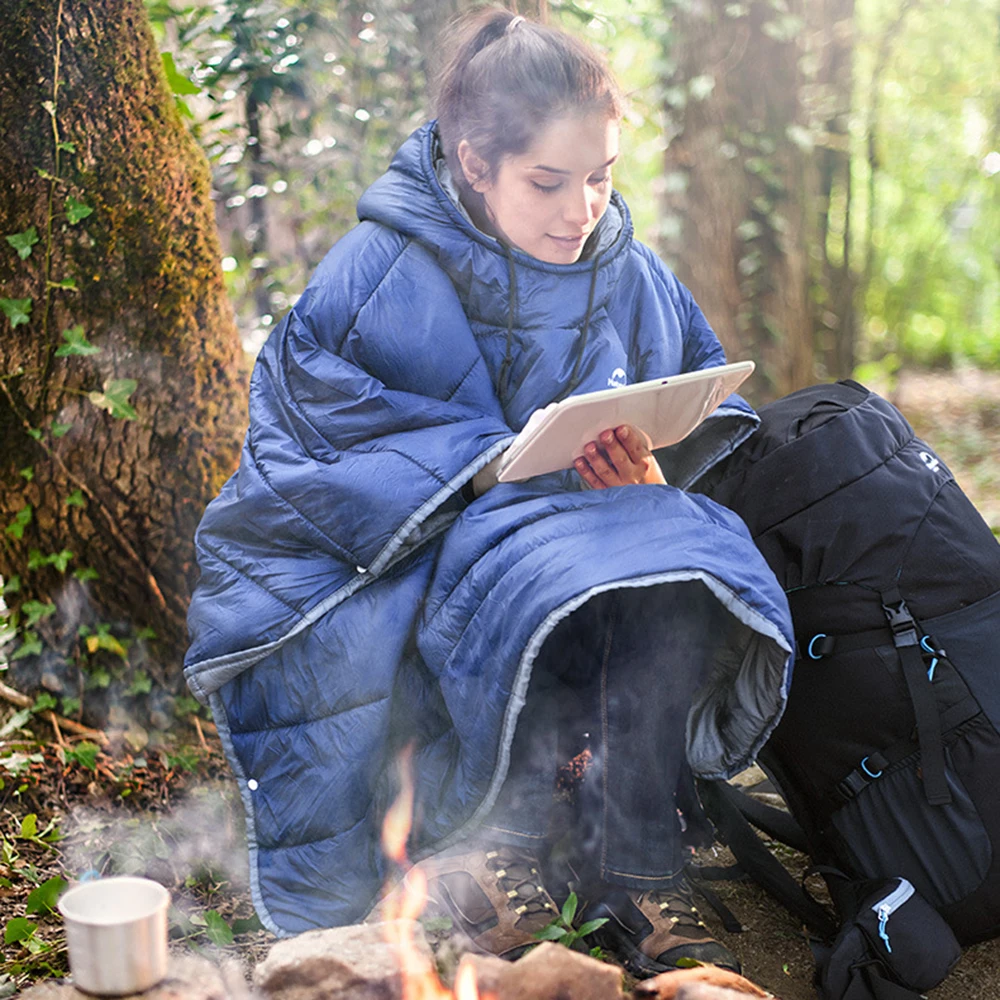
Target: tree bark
<point x="149" y="293"/>
<point x="737" y="181"/>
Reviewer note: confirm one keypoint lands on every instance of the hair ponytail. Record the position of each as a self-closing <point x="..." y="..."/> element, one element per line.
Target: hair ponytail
<point x="507" y="78"/>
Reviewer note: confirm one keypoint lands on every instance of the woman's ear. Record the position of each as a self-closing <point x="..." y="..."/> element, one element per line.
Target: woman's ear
<point x="474" y="167"/>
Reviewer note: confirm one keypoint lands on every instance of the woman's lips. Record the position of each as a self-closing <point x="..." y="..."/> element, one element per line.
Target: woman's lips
<point x="569" y="242"/>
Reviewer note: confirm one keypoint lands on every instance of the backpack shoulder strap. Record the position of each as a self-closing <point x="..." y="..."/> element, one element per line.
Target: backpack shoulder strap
<point x="719" y="801"/>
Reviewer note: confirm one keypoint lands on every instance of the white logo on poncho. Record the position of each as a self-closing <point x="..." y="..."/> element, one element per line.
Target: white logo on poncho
<point x="618" y="379"/>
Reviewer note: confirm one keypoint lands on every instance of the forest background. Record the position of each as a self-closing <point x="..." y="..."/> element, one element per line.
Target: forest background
<point x="824" y="175"/>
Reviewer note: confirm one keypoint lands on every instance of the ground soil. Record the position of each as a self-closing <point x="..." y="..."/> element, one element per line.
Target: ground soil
<point x="169" y="811"/>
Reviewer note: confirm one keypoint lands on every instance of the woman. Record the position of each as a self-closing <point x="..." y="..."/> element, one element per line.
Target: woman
<point x="367" y="585"/>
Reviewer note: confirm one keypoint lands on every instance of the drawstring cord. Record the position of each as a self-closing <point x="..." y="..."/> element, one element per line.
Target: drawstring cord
<point x="574" y="377"/>
<point x="504" y="376"/>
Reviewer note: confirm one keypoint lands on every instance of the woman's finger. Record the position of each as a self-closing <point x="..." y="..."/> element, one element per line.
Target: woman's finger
<point x="634" y="443"/>
<point x="620" y="460"/>
<point x="599" y="464"/>
<point x="587" y="474"/>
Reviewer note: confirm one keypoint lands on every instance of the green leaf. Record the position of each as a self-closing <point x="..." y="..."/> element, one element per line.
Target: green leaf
<point x="61" y="560"/>
<point x="35" y="433"/>
<point x="44" y="702"/>
<point x="69" y="283"/>
<point x="141" y="684"/>
<point x="36" y="611"/>
<point x="42" y="899"/>
<point x="45" y="175"/>
<point x="70" y="147"/>
<point x="569" y="909"/>
<point x="178" y="82"/>
<point x="70" y="706"/>
<point x="86" y="573"/>
<point x="76" y="211"/>
<point x="60" y="430"/>
<point x="592" y="925"/>
<point x="114" y="399"/>
<point x="84" y="754"/>
<point x="18" y="311"/>
<point x="21" y="521"/>
<point x="31" y="645"/>
<point x="50" y="107"/>
<point x="75" y="499"/>
<point x="12" y="586"/>
<point x="146" y="633"/>
<point x="76" y="343"/>
<point x="248" y="925"/>
<point x="688" y="963"/>
<point x="28" y="472"/>
<point x="29" y="825"/>
<point x="17" y="930"/>
<point x="23" y="242"/>
<point x="17" y="721"/>
<point x="216" y="928"/>
<point x="551" y="932"/>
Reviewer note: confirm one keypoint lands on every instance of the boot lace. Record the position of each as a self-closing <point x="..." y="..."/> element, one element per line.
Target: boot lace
<point x="519" y="878"/>
<point x="676" y="905"/>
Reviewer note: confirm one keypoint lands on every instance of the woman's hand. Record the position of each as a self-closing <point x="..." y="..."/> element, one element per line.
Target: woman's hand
<point x="619" y="457"/>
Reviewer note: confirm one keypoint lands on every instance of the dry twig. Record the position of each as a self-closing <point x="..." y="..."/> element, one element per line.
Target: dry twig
<point x="57" y="722"/>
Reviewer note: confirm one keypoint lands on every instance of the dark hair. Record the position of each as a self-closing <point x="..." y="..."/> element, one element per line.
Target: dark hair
<point x="506" y="82"/>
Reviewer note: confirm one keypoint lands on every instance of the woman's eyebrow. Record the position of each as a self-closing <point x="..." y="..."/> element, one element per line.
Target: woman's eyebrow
<point x="554" y="170"/>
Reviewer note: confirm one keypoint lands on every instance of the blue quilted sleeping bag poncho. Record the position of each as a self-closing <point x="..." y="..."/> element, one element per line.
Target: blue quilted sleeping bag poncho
<point x="352" y="602"/>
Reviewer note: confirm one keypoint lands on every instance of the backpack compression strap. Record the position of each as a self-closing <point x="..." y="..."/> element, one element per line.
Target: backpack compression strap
<point x="906" y="639"/>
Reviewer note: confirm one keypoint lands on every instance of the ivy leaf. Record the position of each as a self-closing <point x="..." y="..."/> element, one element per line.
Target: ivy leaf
<point x="29" y="825"/>
<point x="18" y="311"/>
<point x="76" y="344"/>
<point x="45" y="175"/>
<point x="21" y="520"/>
<point x="42" y="899"/>
<point x="17" y="930"/>
<point x="178" y="82"/>
<point x="114" y="399"/>
<point x="23" y="242"/>
<point x="75" y="499"/>
<point x="249" y="924"/>
<point x="28" y="472"/>
<point x="76" y="211"/>
<point x="35" y="433"/>
<point x="67" y="283"/>
<point x="86" y="573"/>
<point x="216" y="928"/>
<point x="36" y="611"/>
<point x="60" y="430"/>
<point x="12" y="586"/>
<point x="60" y="560"/>
<point x="70" y="147"/>
<point x="141" y="684"/>
<point x="31" y="645"/>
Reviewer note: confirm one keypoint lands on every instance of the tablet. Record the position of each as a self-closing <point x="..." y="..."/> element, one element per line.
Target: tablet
<point x="666" y="410"/>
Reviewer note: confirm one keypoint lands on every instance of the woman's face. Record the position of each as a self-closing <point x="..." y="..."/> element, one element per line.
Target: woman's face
<point x="547" y="200"/>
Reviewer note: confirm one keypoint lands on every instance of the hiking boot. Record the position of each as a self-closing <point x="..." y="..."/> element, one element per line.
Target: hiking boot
<point x="651" y="931"/>
<point x="495" y="897"/>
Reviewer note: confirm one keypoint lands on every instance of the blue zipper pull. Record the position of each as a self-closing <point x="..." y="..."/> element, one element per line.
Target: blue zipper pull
<point x="883" y="919"/>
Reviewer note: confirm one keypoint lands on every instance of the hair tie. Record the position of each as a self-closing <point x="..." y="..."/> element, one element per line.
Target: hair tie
<point x="513" y="23"/>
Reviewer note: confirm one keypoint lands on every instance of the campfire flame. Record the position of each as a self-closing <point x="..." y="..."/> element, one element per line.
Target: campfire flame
<point x="405" y="904"/>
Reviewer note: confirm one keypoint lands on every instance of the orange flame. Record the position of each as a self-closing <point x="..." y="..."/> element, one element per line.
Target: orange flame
<point x="404" y="905"/>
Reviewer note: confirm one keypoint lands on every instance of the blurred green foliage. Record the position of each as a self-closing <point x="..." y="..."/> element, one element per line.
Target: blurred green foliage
<point x="300" y="105"/>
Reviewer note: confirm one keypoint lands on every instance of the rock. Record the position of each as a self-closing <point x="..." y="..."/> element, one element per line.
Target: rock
<point x="353" y="963"/>
<point x="189" y="977"/>
<point x="548" y="972"/>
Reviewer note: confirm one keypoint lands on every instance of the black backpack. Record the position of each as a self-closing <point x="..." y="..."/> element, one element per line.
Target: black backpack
<point x="888" y="754"/>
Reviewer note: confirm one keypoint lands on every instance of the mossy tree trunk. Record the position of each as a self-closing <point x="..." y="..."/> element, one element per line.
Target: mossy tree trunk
<point x="738" y="180"/>
<point x="123" y="496"/>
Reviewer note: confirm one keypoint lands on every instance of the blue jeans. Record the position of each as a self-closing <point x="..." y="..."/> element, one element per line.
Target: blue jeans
<point x="618" y="674"/>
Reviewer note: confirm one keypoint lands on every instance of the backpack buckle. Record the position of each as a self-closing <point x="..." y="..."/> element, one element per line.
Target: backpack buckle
<point x="901" y="622"/>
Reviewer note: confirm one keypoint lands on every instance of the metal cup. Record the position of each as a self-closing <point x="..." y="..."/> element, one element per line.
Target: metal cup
<point x="116" y="932"/>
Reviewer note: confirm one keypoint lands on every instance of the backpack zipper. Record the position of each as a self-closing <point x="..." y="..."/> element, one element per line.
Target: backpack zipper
<point x="885" y="908"/>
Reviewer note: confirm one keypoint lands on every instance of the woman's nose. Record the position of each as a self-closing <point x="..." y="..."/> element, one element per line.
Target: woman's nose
<point x="579" y="208"/>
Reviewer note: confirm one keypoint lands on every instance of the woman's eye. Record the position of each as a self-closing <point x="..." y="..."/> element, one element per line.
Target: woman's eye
<point x="545" y="187"/>
<point x="600" y="180"/>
